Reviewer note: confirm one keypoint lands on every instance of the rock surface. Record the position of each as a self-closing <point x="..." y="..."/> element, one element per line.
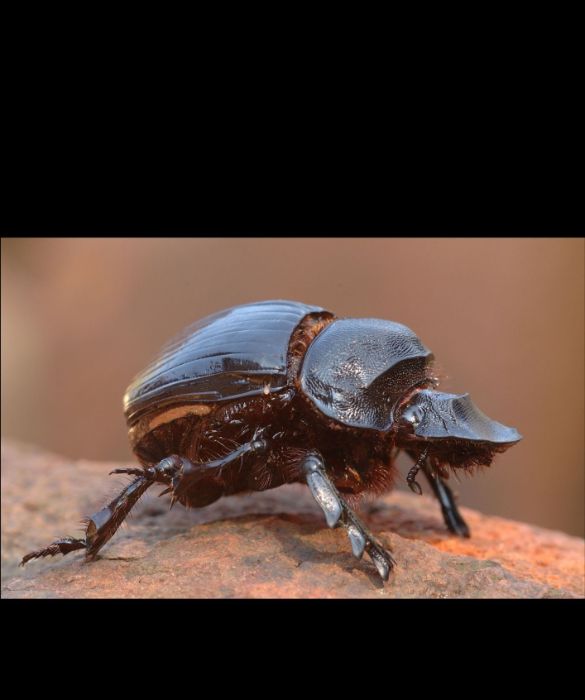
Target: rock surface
<point x="272" y="544"/>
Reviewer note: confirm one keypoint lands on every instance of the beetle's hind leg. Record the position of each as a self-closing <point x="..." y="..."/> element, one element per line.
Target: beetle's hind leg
<point x="337" y="512"/>
<point x="60" y="546"/>
<point x="102" y="525"/>
<point x="451" y="515"/>
<point x="187" y="485"/>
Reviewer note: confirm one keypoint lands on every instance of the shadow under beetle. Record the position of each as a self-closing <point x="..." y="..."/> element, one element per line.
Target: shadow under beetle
<point x="277" y="392"/>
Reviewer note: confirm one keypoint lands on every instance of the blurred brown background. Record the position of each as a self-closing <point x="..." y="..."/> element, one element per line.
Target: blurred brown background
<point x="504" y="317"/>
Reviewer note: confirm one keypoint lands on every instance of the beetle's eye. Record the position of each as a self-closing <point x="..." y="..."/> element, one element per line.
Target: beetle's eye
<point x="412" y="415"/>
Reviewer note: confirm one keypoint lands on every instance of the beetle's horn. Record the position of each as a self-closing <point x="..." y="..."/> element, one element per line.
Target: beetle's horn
<point x="456" y="416"/>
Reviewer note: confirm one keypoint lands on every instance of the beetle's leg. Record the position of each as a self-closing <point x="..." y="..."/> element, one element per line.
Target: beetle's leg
<point x="338" y="512"/>
<point x="192" y="472"/>
<point x="100" y="526"/>
<point x="162" y="473"/>
<point x="453" y="519"/>
<point x="413" y="484"/>
<point x="103" y="524"/>
<point x="61" y="546"/>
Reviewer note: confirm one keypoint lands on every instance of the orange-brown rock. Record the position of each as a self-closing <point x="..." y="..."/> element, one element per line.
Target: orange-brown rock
<point x="272" y="544"/>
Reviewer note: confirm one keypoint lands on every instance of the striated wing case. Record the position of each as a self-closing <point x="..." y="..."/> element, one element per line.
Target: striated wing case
<point x="234" y="353"/>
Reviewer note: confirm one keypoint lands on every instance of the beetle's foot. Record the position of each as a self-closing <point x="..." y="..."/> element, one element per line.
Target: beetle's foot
<point x="383" y="560"/>
<point x="415" y="487"/>
<point x="455" y="522"/>
<point x="362" y="540"/>
<point x="413" y="484"/>
<point x="451" y="515"/>
<point x="130" y="470"/>
<point x="64" y="545"/>
<point x="337" y="512"/>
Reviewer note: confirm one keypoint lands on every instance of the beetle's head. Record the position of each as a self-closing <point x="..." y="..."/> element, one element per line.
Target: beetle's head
<point x="453" y="430"/>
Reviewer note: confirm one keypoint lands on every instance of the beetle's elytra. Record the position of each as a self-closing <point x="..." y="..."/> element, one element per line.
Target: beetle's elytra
<point x="277" y="392"/>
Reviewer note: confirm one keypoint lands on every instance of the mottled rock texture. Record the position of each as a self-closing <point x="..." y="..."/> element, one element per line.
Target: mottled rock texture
<point x="266" y="545"/>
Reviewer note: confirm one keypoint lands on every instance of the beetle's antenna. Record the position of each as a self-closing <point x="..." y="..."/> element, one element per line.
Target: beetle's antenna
<point x="413" y="485"/>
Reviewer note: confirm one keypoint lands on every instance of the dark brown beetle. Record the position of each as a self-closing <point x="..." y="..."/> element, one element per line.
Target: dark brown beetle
<point x="276" y="392"/>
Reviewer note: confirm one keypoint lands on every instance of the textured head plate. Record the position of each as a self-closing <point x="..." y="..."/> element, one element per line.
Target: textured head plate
<point x="436" y="415"/>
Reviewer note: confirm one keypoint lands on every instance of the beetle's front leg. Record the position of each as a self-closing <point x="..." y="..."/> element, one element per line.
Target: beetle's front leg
<point x="338" y="512"/>
<point x="451" y="515"/>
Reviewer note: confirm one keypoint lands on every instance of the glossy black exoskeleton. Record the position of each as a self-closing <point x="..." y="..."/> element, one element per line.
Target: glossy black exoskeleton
<point x="278" y="392"/>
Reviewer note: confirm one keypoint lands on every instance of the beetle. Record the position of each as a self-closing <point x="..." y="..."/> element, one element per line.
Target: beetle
<point x="277" y="392"/>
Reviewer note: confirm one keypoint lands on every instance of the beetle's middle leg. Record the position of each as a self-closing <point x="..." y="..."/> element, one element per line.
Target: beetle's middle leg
<point x="338" y="512"/>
